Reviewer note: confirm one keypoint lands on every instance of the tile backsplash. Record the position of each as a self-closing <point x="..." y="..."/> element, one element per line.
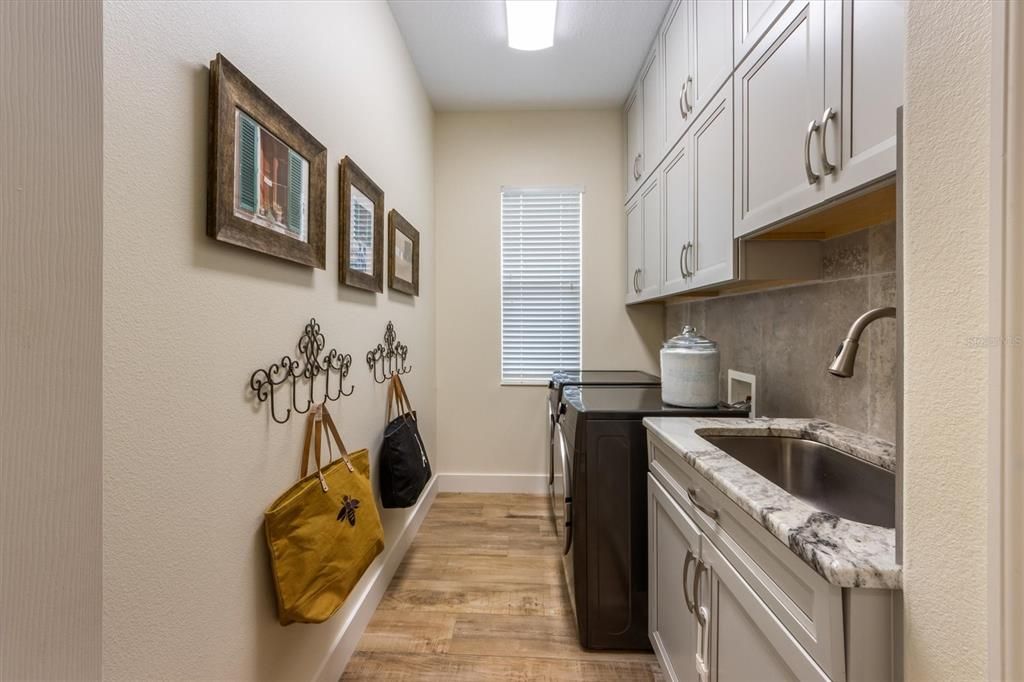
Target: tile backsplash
<point x="786" y="337"/>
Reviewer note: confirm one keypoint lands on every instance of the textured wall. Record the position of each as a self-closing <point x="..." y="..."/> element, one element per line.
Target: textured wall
<point x="786" y="337"/>
<point x="51" y="228"/>
<point x="190" y="462"/>
<point x="485" y="427"/>
<point x="946" y="265"/>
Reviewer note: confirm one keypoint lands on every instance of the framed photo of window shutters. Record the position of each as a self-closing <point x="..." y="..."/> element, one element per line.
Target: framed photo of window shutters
<point x="361" y="246"/>
<point x="267" y="175"/>
<point x="403" y="255"/>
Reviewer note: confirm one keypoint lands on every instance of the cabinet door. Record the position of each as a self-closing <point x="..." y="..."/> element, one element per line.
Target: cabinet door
<point x="677" y="50"/>
<point x="745" y="641"/>
<point x="634" y="140"/>
<point x="674" y="547"/>
<point x="863" y="87"/>
<point x="711" y="256"/>
<point x="712" y="42"/>
<point x="634" y="249"/>
<point x="650" y="270"/>
<point x="779" y="97"/>
<point x="751" y="19"/>
<point x="654" y="115"/>
<point x="677" y="191"/>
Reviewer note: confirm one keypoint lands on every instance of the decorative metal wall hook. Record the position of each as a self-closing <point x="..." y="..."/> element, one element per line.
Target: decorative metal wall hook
<point x="307" y="368"/>
<point x="388" y="358"/>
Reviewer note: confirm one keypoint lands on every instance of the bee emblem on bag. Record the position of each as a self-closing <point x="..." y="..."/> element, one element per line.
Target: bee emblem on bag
<point x="348" y="510"/>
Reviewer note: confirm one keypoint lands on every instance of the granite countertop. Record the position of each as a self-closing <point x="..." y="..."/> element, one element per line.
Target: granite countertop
<point x="845" y="553"/>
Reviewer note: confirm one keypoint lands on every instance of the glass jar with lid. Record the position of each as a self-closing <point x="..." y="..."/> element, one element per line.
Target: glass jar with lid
<point x="689" y="370"/>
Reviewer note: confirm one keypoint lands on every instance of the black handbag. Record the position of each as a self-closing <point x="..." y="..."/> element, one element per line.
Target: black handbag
<point x="404" y="467"/>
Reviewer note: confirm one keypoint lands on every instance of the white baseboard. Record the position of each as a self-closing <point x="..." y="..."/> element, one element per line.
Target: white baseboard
<point x="371" y="590"/>
<point x="530" y="484"/>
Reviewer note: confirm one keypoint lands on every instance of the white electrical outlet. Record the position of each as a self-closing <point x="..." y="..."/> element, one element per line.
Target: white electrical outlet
<point x="742" y="386"/>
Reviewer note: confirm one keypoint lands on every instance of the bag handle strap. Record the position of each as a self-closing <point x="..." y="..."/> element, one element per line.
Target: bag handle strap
<point x="391" y="400"/>
<point x="305" y="447"/>
<point x="313" y="424"/>
<point x="342" y="450"/>
<point x="397" y="399"/>
<point x="317" y="417"/>
<point x="404" y="396"/>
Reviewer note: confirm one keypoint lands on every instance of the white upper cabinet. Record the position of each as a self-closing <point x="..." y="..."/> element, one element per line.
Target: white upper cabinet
<point x="650" y="270"/>
<point x="779" y="98"/>
<point x="863" y="88"/>
<point x="634" y="140"/>
<point x="677" y="230"/>
<point x="654" y="116"/>
<point x="746" y="114"/>
<point x="751" y="18"/>
<point x="712" y="49"/>
<point x="677" y="49"/>
<point x="711" y="257"/>
<point x="634" y="249"/>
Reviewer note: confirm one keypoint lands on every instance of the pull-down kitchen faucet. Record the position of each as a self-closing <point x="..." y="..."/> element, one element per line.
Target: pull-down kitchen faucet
<point x="846" y="354"/>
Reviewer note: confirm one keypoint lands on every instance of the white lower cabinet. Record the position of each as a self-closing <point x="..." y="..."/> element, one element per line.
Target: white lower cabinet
<point x="706" y="622"/>
<point x="745" y="641"/>
<point x="675" y="543"/>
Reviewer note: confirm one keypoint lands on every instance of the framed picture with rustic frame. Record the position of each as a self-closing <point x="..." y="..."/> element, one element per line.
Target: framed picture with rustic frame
<point x="361" y="246"/>
<point x="403" y="255"/>
<point x="267" y="175"/>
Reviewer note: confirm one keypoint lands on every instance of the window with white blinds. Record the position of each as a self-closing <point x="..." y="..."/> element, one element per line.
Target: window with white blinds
<point x="540" y="283"/>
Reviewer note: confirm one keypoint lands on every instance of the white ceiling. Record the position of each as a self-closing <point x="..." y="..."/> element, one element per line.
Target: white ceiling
<point x="460" y="49"/>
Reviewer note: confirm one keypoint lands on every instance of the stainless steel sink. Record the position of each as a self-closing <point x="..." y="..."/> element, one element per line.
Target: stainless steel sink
<point x="820" y="475"/>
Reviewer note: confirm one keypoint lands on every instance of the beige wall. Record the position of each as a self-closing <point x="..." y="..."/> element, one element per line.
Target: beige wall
<point x="486" y="428"/>
<point x="190" y="462"/>
<point x="946" y="266"/>
<point x="51" y="229"/>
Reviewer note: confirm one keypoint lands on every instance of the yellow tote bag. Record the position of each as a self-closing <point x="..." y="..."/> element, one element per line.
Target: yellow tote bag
<point x="324" y="531"/>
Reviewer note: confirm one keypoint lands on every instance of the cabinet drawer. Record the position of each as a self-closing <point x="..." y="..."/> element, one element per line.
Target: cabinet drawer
<point x="808" y="606"/>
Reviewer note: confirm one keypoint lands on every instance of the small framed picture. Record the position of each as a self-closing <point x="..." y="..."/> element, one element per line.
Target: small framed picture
<point x="403" y="255"/>
<point x="267" y="175"/>
<point x="361" y="247"/>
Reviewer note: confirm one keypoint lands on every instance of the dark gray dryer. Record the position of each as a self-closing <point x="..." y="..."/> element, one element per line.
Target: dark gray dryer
<point x="602" y="476"/>
<point x="564" y="378"/>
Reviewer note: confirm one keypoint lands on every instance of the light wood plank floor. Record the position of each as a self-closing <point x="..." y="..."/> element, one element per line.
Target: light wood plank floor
<point x="480" y="596"/>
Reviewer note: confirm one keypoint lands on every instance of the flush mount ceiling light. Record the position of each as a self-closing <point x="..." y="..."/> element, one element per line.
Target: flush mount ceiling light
<point x="531" y="24"/>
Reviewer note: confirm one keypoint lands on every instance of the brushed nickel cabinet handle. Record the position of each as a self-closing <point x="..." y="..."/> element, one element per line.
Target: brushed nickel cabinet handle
<point x="640" y="279"/>
<point x="690" y="605"/>
<point x="812" y="177"/>
<point x="689" y="251"/>
<point x="686" y="94"/>
<point x="682" y="260"/>
<point x="682" y="95"/>
<point x="827" y="167"/>
<point x="691" y="493"/>
<point x="699" y="612"/>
